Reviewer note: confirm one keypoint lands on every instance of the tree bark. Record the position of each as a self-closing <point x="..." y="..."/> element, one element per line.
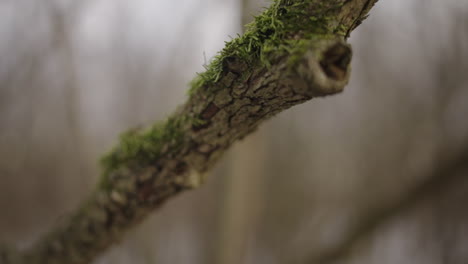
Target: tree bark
<point x="291" y="53"/>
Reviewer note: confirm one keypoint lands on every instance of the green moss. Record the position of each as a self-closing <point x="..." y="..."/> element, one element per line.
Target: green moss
<point x="143" y="147"/>
<point x="277" y="31"/>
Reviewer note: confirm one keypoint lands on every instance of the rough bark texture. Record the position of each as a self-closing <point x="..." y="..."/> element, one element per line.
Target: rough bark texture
<point x="292" y="53"/>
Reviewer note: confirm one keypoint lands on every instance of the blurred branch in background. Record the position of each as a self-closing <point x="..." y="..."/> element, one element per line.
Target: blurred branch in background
<point x="449" y="172"/>
<point x="243" y="182"/>
<point x="450" y="162"/>
<point x="30" y="98"/>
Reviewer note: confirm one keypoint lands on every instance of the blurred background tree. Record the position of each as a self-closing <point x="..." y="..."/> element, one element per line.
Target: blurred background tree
<point x="75" y="74"/>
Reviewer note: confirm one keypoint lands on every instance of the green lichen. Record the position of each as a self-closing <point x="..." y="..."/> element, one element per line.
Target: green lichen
<point x="142" y="147"/>
<point x="279" y="30"/>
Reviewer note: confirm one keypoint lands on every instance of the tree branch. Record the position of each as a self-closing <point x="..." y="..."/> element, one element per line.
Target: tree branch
<point x="291" y="53"/>
<point x="447" y="174"/>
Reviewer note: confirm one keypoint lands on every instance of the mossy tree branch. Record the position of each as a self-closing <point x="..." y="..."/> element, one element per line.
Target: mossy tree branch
<point x="291" y="53"/>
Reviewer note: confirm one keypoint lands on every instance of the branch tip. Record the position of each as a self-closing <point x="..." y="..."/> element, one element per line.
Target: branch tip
<point x="336" y="60"/>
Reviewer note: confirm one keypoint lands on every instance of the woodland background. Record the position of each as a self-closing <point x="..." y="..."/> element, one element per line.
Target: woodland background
<point x="75" y="74"/>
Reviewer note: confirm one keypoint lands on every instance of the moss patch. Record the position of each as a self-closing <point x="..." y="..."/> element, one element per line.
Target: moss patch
<point x="281" y="29"/>
<point x="144" y="147"/>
